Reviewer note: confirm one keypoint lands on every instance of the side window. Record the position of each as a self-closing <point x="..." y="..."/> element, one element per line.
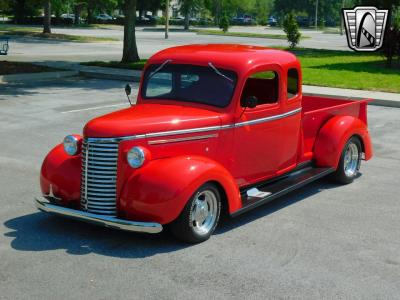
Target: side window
<point x="160" y="84"/>
<point x="292" y="83"/>
<point x="264" y="86"/>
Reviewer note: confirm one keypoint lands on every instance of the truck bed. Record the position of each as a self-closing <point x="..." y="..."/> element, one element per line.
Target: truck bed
<point x="318" y="110"/>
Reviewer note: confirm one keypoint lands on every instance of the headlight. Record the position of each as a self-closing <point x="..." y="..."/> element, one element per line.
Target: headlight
<point x="71" y="145"/>
<point x="136" y="157"/>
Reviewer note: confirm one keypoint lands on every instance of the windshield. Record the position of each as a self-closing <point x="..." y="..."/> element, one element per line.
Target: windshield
<point x="189" y="83"/>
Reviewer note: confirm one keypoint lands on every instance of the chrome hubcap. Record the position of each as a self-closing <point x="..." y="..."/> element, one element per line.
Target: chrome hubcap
<point x="204" y="212"/>
<point x="351" y="159"/>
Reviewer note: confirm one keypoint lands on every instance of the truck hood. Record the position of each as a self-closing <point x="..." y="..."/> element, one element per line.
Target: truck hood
<point x="149" y="118"/>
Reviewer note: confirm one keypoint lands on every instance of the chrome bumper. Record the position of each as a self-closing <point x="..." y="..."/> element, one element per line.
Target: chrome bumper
<point x="106" y="221"/>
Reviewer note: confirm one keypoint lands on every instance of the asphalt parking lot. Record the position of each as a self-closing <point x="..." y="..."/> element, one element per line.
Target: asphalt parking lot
<point x="321" y="242"/>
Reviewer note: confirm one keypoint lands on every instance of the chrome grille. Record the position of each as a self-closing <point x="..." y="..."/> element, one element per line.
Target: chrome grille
<point x="99" y="174"/>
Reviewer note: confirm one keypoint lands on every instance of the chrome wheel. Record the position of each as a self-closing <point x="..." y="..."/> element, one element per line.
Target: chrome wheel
<point x="204" y="212"/>
<point x="351" y="160"/>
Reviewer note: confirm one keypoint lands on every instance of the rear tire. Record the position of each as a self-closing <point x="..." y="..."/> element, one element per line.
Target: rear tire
<point x="199" y="217"/>
<point x="349" y="163"/>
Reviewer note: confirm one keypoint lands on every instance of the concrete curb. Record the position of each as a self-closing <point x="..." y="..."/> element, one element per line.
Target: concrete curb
<point x="387" y="103"/>
<point x="376" y="102"/>
<point x="23" y="77"/>
<point x="378" y="98"/>
<point x="129" y="77"/>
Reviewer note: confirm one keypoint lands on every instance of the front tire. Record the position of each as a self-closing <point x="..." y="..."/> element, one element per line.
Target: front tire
<point x="200" y="216"/>
<point x="350" y="161"/>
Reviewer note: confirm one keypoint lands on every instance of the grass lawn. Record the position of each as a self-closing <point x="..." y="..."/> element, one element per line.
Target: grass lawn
<point x="8" y="68"/>
<point x="6" y="30"/>
<point x="243" y="34"/>
<point x="342" y="69"/>
<point x="345" y="69"/>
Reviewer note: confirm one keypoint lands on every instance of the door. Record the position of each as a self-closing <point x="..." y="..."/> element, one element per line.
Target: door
<point x="260" y="133"/>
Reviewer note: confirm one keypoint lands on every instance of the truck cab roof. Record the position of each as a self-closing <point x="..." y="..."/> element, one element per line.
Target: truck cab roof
<point x="240" y="58"/>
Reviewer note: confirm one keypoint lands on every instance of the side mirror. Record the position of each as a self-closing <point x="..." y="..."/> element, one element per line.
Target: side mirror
<point x="128" y="89"/>
<point x="250" y="102"/>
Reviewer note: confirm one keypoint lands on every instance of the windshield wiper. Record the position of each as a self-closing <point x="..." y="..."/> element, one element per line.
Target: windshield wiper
<point x="160" y="67"/>
<point x="219" y="72"/>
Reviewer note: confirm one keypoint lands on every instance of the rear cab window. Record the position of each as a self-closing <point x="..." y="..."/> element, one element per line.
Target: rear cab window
<point x="292" y="83"/>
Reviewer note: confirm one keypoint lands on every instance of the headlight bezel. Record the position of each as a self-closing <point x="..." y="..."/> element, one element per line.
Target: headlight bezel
<point x="136" y="157"/>
<point x="71" y="145"/>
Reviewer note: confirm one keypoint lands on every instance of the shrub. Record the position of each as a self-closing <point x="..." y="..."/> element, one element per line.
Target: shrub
<point x="224" y="23"/>
<point x="291" y="28"/>
<point x="161" y="21"/>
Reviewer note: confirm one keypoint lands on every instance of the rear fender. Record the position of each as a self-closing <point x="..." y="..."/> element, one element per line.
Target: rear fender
<point x="333" y="136"/>
<point x="160" y="189"/>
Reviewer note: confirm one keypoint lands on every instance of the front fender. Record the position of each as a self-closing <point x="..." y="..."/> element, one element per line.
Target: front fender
<point x="63" y="173"/>
<point x="159" y="190"/>
<point x="333" y="136"/>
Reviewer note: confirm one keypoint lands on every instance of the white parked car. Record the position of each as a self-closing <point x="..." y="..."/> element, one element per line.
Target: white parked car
<point x="104" y="17"/>
<point x="68" y="16"/>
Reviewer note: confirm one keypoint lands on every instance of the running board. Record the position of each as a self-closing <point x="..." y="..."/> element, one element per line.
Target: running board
<point x="264" y="193"/>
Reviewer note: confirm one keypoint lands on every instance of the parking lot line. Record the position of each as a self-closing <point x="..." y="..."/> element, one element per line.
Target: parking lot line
<point x="92" y="108"/>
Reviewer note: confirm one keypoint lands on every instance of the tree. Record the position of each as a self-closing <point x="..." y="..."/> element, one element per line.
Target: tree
<point x="327" y="9"/>
<point x="224" y="23"/>
<point x="130" y="52"/>
<point x="150" y="5"/>
<point x="4" y="5"/>
<point x="262" y="10"/>
<point x="78" y="7"/>
<point x="99" y="6"/>
<point x="291" y="28"/>
<point x="21" y="9"/>
<point x="47" y="17"/>
<point x="391" y="42"/>
<point x="187" y="7"/>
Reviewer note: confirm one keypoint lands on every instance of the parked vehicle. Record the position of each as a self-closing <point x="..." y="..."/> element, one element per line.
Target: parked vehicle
<point x="4" y="46"/>
<point x="243" y="20"/>
<point x="272" y="21"/>
<point x="303" y="21"/>
<point x="216" y="129"/>
<point x="104" y="17"/>
<point x="68" y="16"/>
<point x="143" y="18"/>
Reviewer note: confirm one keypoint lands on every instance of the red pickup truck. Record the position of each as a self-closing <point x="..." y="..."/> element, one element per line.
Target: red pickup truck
<point x="215" y="129"/>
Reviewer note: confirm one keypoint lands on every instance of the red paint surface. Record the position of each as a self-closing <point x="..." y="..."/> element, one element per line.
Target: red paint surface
<point x="236" y="157"/>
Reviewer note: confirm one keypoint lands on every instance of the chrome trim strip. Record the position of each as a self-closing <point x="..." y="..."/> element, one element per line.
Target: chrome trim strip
<point x="268" y="119"/>
<point x="193" y="138"/>
<point x="115" y="139"/>
<point x="103" y="220"/>
<point x="182" y="131"/>
<point x="194" y="130"/>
